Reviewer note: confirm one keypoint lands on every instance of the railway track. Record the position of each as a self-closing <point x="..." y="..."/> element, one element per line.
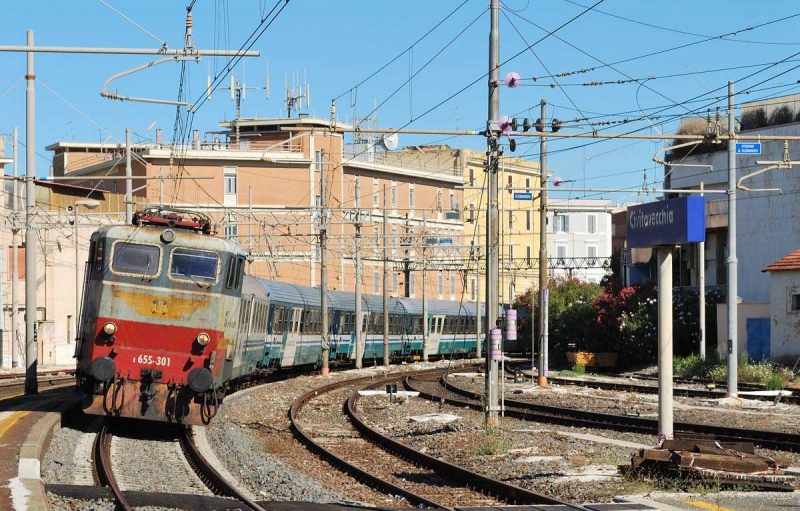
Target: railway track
<point x="676" y="391"/>
<point x="442" y="389"/>
<point x="327" y="421"/>
<point x="177" y="475"/>
<point x="11" y="386"/>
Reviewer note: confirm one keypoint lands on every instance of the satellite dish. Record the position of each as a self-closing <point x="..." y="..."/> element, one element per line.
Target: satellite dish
<point x="389" y="142"/>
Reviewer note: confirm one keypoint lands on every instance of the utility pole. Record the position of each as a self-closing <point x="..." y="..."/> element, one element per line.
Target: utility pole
<point x="15" y="256"/>
<point x="385" y="284"/>
<point x="544" y="295"/>
<point x="493" y="351"/>
<point x="701" y="280"/>
<point x="128" y="181"/>
<point x="323" y="251"/>
<point x="31" y="346"/>
<point x="425" y="320"/>
<point x="732" y="262"/>
<point x="359" y="321"/>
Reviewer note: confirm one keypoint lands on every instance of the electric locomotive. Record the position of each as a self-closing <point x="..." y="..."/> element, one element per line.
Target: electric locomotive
<point x="159" y="319"/>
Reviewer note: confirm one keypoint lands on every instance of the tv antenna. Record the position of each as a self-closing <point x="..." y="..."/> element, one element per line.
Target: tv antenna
<point x="297" y="93"/>
<point x="238" y="92"/>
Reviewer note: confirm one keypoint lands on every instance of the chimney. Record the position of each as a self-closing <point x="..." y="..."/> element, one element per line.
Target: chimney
<point x="195" y="139"/>
<point x="158" y="138"/>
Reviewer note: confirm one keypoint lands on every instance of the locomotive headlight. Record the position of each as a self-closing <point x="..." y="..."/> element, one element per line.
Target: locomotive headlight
<point x="203" y="338"/>
<point x="110" y="328"/>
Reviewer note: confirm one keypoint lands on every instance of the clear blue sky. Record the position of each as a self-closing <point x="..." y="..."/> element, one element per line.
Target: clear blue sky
<point x="339" y="44"/>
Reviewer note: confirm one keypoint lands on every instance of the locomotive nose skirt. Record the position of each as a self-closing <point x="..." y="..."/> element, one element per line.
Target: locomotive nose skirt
<point x="104" y="369"/>
<point x="200" y="379"/>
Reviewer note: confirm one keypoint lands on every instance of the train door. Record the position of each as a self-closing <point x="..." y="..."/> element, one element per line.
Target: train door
<point x="365" y="333"/>
<point x="292" y="337"/>
<point x="434" y="335"/>
<point x="244" y="328"/>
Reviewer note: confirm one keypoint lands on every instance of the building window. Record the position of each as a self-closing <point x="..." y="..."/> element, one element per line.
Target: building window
<point x="439" y="199"/>
<point x="452" y="285"/>
<point x="472" y="212"/>
<point x="453" y="203"/>
<point x="376" y="280"/>
<point x="510" y="219"/>
<point x="510" y="184"/>
<point x="474" y="287"/>
<point x="471" y="176"/>
<point x="394" y="194"/>
<point x="528" y="255"/>
<point x="528" y="220"/>
<point x="319" y="161"/>
<point x="412" y="283"/>
<point x="374" y="192"/>
<point x="591" y="223"/>
<point x="229" y="185"/>
<point x="411" y="198"/>
<point x="561" y="255"/>
<point x="318" y="201"/>
<point x="528" y="184"/>
<point x="231" y="229"/>
<point x="394" y="282"/>
<point x="440" y="285"/>
<point x="591" y="255"/>
<point x="511" y="252"/>
<point x="795" y="302"/>
<point x="560" y="223"/>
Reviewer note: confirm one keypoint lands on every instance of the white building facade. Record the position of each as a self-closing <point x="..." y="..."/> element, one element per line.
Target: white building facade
<point x="579" y="238"/>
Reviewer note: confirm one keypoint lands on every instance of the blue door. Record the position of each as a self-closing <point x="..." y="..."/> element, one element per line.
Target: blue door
<point x="758" y="338"/>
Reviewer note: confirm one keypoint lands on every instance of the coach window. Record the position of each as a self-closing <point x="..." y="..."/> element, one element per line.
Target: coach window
<point x="230" y="280"/>
<point x="135" y="259"/>
<point x="196" y="266"/>
<point x="239" y="272"/>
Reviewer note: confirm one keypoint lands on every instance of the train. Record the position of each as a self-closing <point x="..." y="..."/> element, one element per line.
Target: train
<point x="170" y="322"/>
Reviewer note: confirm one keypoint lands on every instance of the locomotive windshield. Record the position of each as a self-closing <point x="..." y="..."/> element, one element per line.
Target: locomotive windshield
<point x="135" y="258"/>
<point x="193" y="265"/>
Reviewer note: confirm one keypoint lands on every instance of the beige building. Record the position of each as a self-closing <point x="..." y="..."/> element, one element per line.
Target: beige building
<point x="261" y="180"/>
<point x="64" y="213"/>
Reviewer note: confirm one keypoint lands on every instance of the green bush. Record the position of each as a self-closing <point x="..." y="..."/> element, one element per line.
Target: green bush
<point x="774" y="382"/>
<point x="578" y="369"/>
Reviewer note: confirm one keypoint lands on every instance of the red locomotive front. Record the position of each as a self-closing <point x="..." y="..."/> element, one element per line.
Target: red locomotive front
<point x="158" y="323"/>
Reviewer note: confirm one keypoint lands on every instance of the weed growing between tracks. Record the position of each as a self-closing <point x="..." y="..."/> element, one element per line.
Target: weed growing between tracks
<point x="494" y="443"/>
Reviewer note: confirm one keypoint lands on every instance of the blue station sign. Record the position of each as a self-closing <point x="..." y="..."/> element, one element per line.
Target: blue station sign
<point x="523" y="196"/>
<point x="667" y="222"/>
<point x="748" y="148"/>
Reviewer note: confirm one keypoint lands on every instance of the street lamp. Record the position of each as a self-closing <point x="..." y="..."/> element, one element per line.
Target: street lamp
<point x="88" y="204"/>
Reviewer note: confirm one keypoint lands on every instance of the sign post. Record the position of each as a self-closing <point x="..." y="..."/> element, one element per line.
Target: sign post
<point x="664" y="224"/>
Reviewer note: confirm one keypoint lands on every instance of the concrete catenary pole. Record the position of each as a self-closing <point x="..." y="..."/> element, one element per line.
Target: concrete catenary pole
<point x="385" y="283"/>
<point x="323" y="256"/>
<point x="665" y="423"/>
<point x="128" y="181"/>
<point x="544" y="295"/>
<point x="15" y="258"/>
<point x="31" y="346"/>
<point x="492" y="219"/>
<point x="358" y="320"/>
<point x="425" y="319"/>
<point x="701" y="281"/>
<point x="732" y="262"/>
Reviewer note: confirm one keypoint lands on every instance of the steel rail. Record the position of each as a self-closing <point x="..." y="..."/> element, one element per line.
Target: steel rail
<point x="102" y="466"/>
<point x="497" y="489"/>
<point x="209" y="475"/>
<point x="529" y="411"/>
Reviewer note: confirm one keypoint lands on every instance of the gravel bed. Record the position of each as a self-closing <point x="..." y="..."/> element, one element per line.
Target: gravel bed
<point x="578" y="465"/>
<point x="252" y="429"/>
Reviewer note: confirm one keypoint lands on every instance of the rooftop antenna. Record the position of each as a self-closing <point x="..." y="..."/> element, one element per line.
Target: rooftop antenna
<point x="297" y="93"/>
<point x="238" y="92"/>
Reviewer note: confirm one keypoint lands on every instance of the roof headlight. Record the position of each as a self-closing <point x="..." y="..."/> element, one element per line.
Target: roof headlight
<point x="110" y="328"/>
<point x="203" y="338"/>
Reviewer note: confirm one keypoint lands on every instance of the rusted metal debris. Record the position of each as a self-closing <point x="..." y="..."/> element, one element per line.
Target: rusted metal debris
<point x="702" y="458"/>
